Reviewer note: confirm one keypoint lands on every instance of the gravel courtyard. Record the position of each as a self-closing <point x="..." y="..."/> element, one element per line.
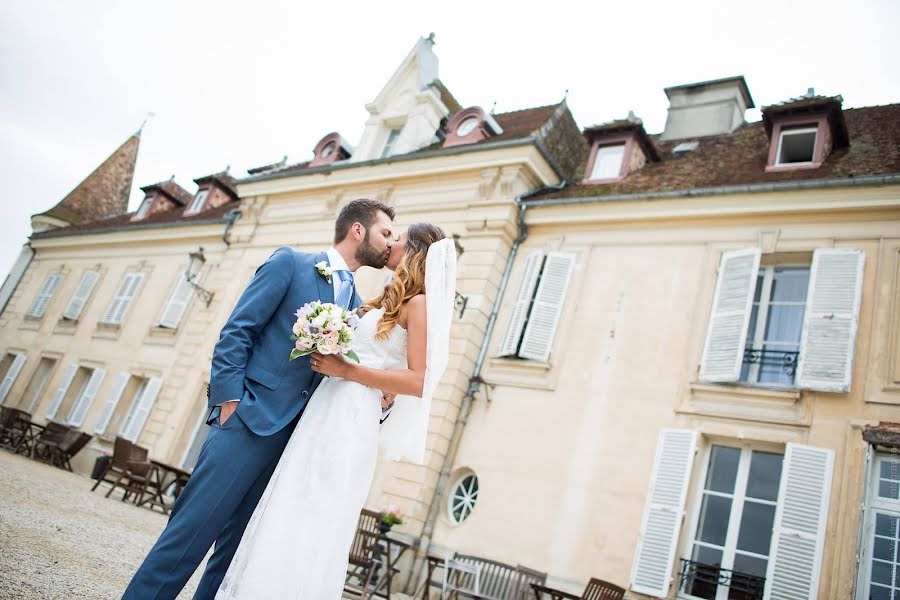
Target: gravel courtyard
<point x="60" y="540"/>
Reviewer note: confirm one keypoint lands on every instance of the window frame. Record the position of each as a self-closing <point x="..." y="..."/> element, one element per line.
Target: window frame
<point x="796" y="131"/>
<point x="144" y="208"/>
<point x="199" y="201"/>
<point x="623" y="139"/>
<point x="794" y="123"/>
<point x="873" y="504"/>
<point x="451" y="496"/>
<point x="387" y="150"/>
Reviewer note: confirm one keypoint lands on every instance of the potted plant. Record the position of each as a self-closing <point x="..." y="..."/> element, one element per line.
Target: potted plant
<point x="390" y="516"/>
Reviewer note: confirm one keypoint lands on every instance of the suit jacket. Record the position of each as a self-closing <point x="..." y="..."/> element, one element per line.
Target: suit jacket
<point x="251" y="360"/>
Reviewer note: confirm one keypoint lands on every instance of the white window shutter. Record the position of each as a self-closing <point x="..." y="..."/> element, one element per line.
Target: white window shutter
<point x="548" y="305"/>
<point x="10" y="378"/>
<point x="530" y="274"/>
<point x="798" y="534"/>
<point x="177" y="302"/>
<point x="79" y="410"/>
<point x="829" y="325"/>
<point x="141" y="410"/>
<point x="60" y="392"/>
<point x="124" y="296"/>
<point x="726" y="336"/>
<point x="663" y="512"/>
<point x="111" y="402"/>
<point x="45" y="294"/>
<point x="82" y="293"/>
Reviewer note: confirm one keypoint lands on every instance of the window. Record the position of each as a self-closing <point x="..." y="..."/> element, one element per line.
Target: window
<point x="123" y="298"/>
<point x="796" y="146"/>
<point x="144" y="209"/>
<point x="45" y="294"/>
<point x="177" y="303"/>
<point x="198" y="434"/>
<point x="538" y="305"/>
<point x="733" y="538"/>
<point x="127" y="418"/>
<point x="880" y="565"/>
<point x="82" y="294"/>
<point x="776" y="325"/>
<point x="463" y="496"/>
<point x="199" y="201"/>
<point x="10" y="366"/>
<point x="75" y="394"/>
<point x="784" y="324"/>
<point x="38" y="384"/>
<point x="608" y="162"/>
<point x="393" y="134"/>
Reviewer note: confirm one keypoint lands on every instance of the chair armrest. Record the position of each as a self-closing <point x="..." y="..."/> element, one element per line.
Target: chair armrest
<point x="553" y="593"/>
<point x="138" y="467"/>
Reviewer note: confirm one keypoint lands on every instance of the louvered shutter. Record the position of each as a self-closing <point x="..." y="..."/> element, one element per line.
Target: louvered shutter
<point x="798" y="534"/>
<point x="134" y="424"/>
<point x="45" y="294"/>
<point x="548" y="305"/>
<point x="111" y="402"/>
<point x="60" y="392"/>
<point x="726" y="336"/>
<point x="10" y="378"/>
<point x="177" y="302"/>
<point x="82" y="293"/>
<point x="663" y="512"/>
<point x="124" y="295"/>
<point x="829" y="325"/>
<point x="530" y="274"/>
<point x="79" y="410"/>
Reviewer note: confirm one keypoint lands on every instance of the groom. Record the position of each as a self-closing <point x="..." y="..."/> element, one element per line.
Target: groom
<point x="256" y="396"/>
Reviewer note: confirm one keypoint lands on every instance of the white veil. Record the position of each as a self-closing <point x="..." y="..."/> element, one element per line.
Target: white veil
<point x="404" y="433"/>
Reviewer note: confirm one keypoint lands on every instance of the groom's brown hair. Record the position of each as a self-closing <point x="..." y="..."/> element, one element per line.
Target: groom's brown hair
<point x="359" y="211"/>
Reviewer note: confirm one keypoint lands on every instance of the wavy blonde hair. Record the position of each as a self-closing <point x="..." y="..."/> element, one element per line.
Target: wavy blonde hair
<point x="409" y="277"/>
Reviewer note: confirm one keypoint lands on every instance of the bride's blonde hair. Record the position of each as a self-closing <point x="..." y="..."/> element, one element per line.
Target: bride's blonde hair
<point x="409" y="277"/>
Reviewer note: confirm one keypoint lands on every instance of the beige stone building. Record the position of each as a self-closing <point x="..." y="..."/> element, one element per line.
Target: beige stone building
<point x="675" y="362"/>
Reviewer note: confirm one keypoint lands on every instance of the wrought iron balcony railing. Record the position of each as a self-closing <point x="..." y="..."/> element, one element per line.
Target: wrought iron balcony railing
<point x="703" y="581"/>
<point x="787" y="359"/>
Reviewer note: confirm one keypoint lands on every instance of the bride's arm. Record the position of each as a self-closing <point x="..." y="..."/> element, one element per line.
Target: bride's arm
<point x="407" y="382"/>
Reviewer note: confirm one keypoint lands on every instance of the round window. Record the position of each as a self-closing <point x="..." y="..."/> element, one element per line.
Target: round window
<point x="462" y="498"/>
<point x="467" y="126"/>
<point x="328" y="149"/>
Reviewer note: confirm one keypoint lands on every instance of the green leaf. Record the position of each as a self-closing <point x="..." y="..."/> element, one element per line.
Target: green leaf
<point x="293" y="338"/>
<point x="298" y="353"/>
<point x="352" y="356"/>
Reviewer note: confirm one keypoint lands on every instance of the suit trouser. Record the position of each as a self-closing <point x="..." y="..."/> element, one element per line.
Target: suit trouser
<point x="230" y="477"/>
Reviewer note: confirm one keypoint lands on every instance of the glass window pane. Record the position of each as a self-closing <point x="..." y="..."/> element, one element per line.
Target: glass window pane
<point x="797" y="146"/>
<point x="756" y="527"/>
<point x="608" y="162"/>
<point x="723" y="466"/>
<point x="883" y="548"/>
<point x="785" y="323"/>
<point x="877" y="592"/>
<point x="889" y="489"/>
<point x="886" y="525"/>
<point x="779" y="365"/>
<point x="714" y="515"/>
<point x="765" y="475"/>
<point x="790" y="284"/>
<point x="748" y="579"/>
<point x="757" y="294"/>
<point x="890" y="470"/>
<point x="704" y="577"/>
<point x="881" y="572"/>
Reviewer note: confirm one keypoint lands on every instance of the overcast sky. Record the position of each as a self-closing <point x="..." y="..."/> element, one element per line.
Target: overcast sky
<point x="243" y="84"/>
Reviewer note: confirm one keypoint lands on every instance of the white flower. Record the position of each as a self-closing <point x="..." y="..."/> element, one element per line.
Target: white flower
<point x="324" y="270"/>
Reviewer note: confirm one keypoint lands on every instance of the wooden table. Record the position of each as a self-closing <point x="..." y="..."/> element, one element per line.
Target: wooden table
<point x="392" y="551"/>
<point x="160" y="477"/>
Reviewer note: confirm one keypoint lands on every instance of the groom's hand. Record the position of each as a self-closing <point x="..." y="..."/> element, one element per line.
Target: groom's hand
<point x="227" y="409"/>
<point x="387" y="400"/>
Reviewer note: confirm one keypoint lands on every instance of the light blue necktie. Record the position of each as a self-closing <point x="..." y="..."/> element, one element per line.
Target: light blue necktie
<point x="345" y="290"/>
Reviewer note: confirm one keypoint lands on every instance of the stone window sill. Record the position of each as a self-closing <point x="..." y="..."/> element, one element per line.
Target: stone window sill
<point x="107" y="331"/>
<point x="748" y="403"/>
<point x="518" y="372"/>
<point x="161" y="336"/>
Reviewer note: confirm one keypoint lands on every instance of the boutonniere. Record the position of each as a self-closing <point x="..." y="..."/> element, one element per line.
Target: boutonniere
<point x="324" y="270"/>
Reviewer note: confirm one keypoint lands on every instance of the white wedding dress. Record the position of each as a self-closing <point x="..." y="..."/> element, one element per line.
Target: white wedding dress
<point x="297" y="543"/>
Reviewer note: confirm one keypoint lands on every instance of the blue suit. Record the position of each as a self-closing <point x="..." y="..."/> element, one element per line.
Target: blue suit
<point x="250" y="362"/>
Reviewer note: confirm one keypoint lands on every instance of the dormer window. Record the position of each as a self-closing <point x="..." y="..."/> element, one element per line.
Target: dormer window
<point x="608" y="162"/>
<point x="330" y="149"/>
<point x="469" y="126"/>
<point x="796" y="146"/>
<point x="393" y="134"/>
<point x="144" y="209"/>
<point x="199" y="201"/>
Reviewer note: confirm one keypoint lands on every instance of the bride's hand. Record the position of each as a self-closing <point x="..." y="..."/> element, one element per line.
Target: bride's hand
<point x="331" y="365"/>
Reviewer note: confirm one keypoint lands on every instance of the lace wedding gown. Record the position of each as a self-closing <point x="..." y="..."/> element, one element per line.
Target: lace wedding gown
<point x="297" y="543"/>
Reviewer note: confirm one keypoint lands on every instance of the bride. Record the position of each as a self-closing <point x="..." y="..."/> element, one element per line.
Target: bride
<point x="298" y="540"/>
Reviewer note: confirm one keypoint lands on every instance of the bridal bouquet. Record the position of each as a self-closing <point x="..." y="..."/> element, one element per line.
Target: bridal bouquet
<point x="324" y="328"/>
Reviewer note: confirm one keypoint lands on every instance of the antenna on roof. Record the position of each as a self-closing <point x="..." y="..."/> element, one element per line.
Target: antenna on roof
<point x="172" y="178"/>
<point x="493" y="107"/>
<point x="565" y="94"/>
<point x="431" y="37"/>
<point x="148" y="116"/>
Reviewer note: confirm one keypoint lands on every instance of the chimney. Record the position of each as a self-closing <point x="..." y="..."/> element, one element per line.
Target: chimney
<point x="706" y="108"/>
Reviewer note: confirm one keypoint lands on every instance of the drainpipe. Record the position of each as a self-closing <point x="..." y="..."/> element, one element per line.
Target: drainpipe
<point x="422" y="544"/>
<point x="230" y="217"/>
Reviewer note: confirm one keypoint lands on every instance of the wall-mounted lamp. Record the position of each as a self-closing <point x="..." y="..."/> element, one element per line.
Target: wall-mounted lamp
<point x="197" y="260"/>
<point x="460" y="302"/>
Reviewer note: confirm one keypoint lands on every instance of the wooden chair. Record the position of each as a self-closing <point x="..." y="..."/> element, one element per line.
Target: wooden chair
<point x="596" y="589"/>
<point x="521" y="589"/>
<point x="495" y="580"/>
<point x="15" y="429"/>
<point x="57" y="446"/>
<point x="50" y="438"/>
<point x="362" y="563"/>
<point x="128" y="469"/>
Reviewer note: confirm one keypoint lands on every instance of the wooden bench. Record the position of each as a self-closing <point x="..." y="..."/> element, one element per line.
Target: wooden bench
<point x="495" y="580"/>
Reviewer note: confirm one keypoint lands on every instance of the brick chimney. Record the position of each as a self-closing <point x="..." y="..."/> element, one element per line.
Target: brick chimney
<point x="706" y="108"/>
